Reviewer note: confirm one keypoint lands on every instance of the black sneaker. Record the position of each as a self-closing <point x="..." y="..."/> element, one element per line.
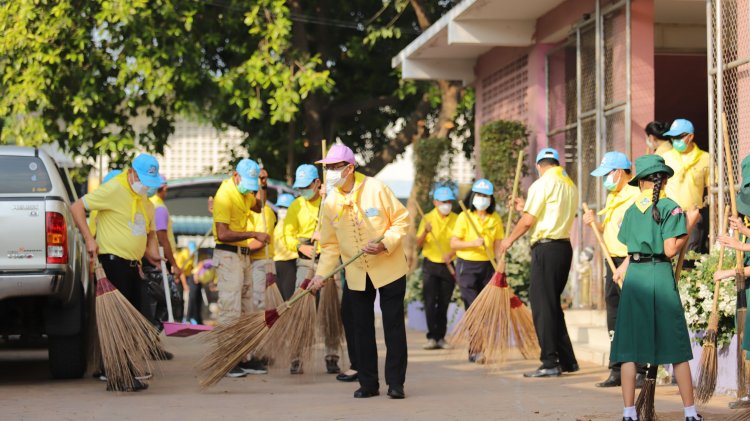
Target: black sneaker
<point x="99" y="375"/>
<point x="236" y="372"/>
<point x="137" y="387"/>
<point x="332" y="364"/>
<point x="253" y="367"/>
<point x="696" y="418"/>
<point x="296" y="368"/>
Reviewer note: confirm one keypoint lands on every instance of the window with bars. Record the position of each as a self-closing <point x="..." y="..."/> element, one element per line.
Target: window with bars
<point x="504" y="93"/>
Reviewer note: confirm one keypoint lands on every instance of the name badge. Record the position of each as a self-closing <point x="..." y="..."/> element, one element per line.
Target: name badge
<point x="372" y="212"/>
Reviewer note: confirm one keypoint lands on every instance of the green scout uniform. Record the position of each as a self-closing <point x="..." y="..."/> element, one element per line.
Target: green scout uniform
<point x="651" y="325"/>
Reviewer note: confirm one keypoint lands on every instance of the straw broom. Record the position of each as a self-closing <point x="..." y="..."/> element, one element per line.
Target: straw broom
<point x="707" y="369"/>
<point x="486" y="325"/>
<point x="742" y="363"/>
<point x="127" y="340"/>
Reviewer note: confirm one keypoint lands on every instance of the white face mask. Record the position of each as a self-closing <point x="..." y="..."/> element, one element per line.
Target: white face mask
<point x="334" y="178"/>
<point x="139" y="188"/>
<point x="445" y="208"/>
<point x="282" y="213"/>
<point x="481" y="202"/>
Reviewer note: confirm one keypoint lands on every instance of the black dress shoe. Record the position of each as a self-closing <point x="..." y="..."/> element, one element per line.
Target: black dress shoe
<point x="366" y="393"/>
<point x="698" y="418"/>
<point x="544" y="372"/>
<point x="612" y="381"/>
<point x="570" y="369"/>
<point x="627" y="419"/>
<point x="343" y="377"/>
<point x="396" y="392"/>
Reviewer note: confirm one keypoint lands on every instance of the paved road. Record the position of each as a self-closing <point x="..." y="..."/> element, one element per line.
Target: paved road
<point x="441" y="385"/>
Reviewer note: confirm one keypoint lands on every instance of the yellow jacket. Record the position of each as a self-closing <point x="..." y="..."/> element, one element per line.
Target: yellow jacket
<point x="351" y="220"/>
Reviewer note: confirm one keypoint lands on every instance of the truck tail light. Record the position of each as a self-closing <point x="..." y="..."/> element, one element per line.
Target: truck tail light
<point x="57" y="239"/>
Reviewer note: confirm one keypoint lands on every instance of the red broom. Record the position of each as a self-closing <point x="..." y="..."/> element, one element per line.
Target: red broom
<point x="127" y="340"/>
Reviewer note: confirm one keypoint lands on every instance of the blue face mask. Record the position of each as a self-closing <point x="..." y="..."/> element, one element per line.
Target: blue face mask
<point x="609" y="182"/>
<point x="307" y="194"/>
<point x="242" y="190"/>
<point x="679" y="145"/>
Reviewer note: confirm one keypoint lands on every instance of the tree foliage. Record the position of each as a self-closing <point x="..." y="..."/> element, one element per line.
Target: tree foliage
<point x="500" y="142"/>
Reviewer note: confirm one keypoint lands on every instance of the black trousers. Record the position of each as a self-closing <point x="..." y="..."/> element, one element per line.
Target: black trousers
<point x="472" y="278"/>
<point x="286" y="276"/>
<point x="125" y="276"/>
<point x="195" y="300"/>
<point x="392" y="307"/>
<point x="437" y="289"/>
<point x="347" y="317"/>
<point x="550" y="266"/>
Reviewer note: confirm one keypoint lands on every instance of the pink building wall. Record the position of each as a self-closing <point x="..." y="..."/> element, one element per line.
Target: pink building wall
<point x="642" y="72"/>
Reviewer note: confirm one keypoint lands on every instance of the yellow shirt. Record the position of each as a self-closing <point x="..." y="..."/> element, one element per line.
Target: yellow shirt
<point x="255" y="223"/>
<point x="300" y="222"/>
<point x="553" y="201"/>
<point x="614" y="211"/>
<point x="351" y="220"/>
<point x="159" y="203"/>
<point x="123" y="220"/>
<point x="184" y="260"/>
<point x="491" y="229"/>
<point x="442" y="230"/>
<point x="663" y="148"/>
<point x="232" y="208"/>
<point x="690" y="177"/>
<point x="280" y="250"/>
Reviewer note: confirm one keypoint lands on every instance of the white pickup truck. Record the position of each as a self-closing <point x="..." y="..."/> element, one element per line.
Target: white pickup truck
<point x="45" y="288"/>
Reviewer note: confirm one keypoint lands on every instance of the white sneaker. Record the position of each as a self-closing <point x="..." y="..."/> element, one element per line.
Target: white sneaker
<point x="236" y="372"/>
<point x="443" y="345"/>
<point x="431" y="344"/>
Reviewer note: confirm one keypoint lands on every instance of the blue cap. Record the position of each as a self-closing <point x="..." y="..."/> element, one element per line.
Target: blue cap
<point x="110" y="175"/>
<point x="443" y="194"/>
<point x="284" y="200"/>
<point x="483" y="186"/>
<point x="547" y="153"/>
<point x="249" y="172"/>
<point x="612" y="161"/>
<point x="147" y="168"/>
<point x="679" y="127"/>
<point x="305" y="175"/>
<point x="192" y="247"/>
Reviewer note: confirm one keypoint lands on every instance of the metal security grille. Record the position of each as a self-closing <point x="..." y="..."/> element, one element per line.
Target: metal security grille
<point x="728" y="23"/>
<point x="504" y="93"/>
<point x="588" y="105"/>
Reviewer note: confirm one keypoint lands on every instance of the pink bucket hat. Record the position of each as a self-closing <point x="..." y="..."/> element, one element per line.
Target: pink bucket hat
<point x="338" y="153"/>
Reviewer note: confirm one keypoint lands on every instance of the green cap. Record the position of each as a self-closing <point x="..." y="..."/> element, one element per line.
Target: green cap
<point x="647" y="165"/>
<point x="745" y="171"/>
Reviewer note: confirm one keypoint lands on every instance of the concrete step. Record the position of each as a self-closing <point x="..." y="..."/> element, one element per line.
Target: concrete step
<point x="588" y="333"/>
<point x="592" y="335"/>
<point x="586" y="317"/>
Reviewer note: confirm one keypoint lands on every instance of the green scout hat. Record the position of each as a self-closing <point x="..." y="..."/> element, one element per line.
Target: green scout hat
<point x="743" y="196"/>
<point x="647" y="165"/>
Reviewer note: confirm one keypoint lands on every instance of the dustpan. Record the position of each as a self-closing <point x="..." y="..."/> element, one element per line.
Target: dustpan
<point x="172" y="328"/>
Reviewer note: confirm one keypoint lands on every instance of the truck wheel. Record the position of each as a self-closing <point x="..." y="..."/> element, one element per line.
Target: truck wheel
<point x="67" y="356"/>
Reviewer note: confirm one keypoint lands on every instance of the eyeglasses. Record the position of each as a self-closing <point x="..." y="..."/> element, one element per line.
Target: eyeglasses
<point x="337" y="166"/>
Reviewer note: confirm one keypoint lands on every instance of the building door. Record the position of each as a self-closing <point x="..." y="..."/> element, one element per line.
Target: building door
<point x="588" y="105"/>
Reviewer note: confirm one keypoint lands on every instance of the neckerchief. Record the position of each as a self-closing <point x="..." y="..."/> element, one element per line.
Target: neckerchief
<point x="136" y="201"/>
<point x="618" y="199"/>
<point x="692" y="157"/>
<point x="559" y="173"/>
<point x="351" y="199"/>
<point x="643" y="202"/>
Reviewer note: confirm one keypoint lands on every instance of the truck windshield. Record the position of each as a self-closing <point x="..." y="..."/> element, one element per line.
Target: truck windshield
<point x="23" y="174"/>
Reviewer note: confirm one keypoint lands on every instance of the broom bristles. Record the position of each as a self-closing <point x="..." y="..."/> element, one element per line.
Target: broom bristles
<point x="707" y="369"/>
<point x="273" y="297"/>
<point x="330" y="326"/>
<point x="485" y="327"/>
<point x="740" y="416"/>
<point x="232" y="342"/>
<point x="293" y="336"/>
<point x="524" y="331"/>
<point x="127" y="340"/>
<point x="644" y="405"/>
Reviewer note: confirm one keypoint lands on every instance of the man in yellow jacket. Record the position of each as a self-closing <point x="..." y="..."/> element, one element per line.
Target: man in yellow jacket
<point x="359" y="211"/>
<point x="687" y="186"/>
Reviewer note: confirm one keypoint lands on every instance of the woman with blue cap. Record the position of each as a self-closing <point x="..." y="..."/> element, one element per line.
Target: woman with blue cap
<point x="474" y="252"/>
<point x="654" y="229"/>
<point x="438" y="281"/>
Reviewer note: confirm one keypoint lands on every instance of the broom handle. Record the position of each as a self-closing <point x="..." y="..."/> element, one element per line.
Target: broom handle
<point x="269" y="266"/>
<point x="191" y="255"/>
<point x="680" y="262"/>
<point x="600" y="240"/>
<point x="717" y="284"/>
<point x="320" y="213"/>
<point x="730" y="176"/>
<point x="476" y="231"/>
<point x="437" y="243"/>
<point x="513" y="196"/>
<point x="165" y="281"/>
